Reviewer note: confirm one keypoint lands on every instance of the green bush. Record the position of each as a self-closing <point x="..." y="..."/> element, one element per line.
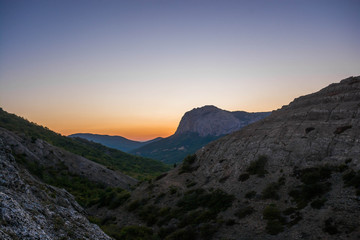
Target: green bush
<point x="275" y="220"/>
<point x="216" y="201"/>
<point x="271" y="212"/>
<point x="173" y="190"/>
<point x="257" y="167"/>
<point x="149" y="214"/>
<point x="244" y="211"/>
<point x="315" y="175"/>
<point x="136" y="204"/>
<point x="270" y="191"/>
<point x="187" y="164"/>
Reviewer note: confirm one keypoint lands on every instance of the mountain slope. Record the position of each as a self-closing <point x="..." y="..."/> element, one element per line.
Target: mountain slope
<point x="117" y="142"/>
<point x="197" y="128"/>
<point x="292" y="175"/>
<point x="173" y="149"/>
<point x="31" y="209"/>
<point x="134" y="166"/>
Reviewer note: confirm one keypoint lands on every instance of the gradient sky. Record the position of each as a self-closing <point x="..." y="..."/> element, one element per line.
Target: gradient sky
<point x="133" y="68"/>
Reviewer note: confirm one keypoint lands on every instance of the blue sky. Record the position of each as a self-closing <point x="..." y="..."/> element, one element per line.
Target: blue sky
<point x="133" y="68"/>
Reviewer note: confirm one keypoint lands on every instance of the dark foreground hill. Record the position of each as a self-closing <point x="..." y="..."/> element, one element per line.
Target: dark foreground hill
<point x="293" y="175"/>
<point x="197" y="128"/>
<point x="31" y="209"/>
<point x="117" y="142"/>
<point x="135" y="166"/>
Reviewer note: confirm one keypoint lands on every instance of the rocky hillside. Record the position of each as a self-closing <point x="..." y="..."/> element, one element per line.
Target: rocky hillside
<point x="210" y="120"/>
<point x="197" y="128"/>
<point x="42" y="153"/>
<point x="135" y="166"/>
<point x="117" y="142"/>
<point x="33" y="210"/>
<point x="292" y="175"/>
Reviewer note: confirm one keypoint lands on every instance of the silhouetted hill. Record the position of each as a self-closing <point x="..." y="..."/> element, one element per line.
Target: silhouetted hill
<point x="117" y="142"/>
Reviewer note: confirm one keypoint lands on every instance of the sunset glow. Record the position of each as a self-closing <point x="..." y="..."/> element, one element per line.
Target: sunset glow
<point x="133" y="68"/>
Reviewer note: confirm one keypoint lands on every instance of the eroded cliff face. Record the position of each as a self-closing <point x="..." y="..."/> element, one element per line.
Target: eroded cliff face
<point x="210" y="120"/>
<point x="320" y="128"/>
<point x="33" y="210"/>
<point x="292" y="175"/>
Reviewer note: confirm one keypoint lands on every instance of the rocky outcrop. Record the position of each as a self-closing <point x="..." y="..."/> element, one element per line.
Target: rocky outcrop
<point x="292" y="175"/>
<point x="210" y="120"/>
<point x="197" y="128"/>
<point x="30" y="209"/>
<point x="41" y="152"/>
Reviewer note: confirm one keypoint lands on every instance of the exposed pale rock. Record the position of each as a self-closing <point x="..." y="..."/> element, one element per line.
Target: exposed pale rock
<point x="30" y="209"/>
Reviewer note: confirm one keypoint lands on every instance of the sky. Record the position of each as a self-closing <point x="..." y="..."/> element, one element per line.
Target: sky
<point x="133" y="68"/>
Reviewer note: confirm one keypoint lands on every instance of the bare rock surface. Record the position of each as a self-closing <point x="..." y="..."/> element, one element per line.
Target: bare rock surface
<point x="30" y="209"/>
<point x="210" y="120"/>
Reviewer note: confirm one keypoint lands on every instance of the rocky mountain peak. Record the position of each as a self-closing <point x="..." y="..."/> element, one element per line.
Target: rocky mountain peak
<point x="213" y="121"/>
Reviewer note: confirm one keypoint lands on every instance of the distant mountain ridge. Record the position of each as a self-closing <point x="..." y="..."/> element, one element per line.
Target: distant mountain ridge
<point x="197" y="128"/>
<point x="117" y="142"/>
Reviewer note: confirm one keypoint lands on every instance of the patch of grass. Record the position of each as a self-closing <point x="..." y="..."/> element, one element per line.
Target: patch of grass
<point x="257" y="167"/>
